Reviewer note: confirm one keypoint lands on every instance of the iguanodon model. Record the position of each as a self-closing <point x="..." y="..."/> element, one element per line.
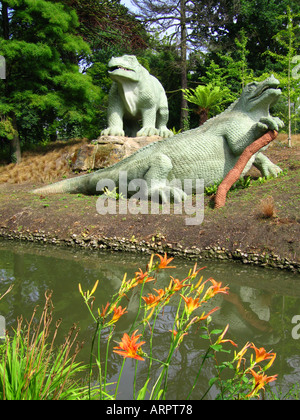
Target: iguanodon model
<point x="207" y="152"/>
<point x="135" y="95"/>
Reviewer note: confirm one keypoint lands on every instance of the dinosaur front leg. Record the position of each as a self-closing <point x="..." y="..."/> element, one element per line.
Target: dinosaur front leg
<point x="261" y="162"/>
<point x="239" y="134"/>
<point x="115" y="114"/>
<point x="159" y="188"/>
<point x="162" y="120"/>
<point x="149" y="120"/>
<point x="115" y="125"/>
<point x="265" y="166"/>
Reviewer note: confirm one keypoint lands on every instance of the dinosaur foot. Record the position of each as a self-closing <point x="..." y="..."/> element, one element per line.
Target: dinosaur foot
<point x="148" y="131"/>
<point x="270" y="170"/>
<point x="167" y="194"/>
<point x="165" y="132"/>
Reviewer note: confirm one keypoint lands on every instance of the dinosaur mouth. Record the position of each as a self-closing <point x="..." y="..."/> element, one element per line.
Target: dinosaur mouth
<point x="268" y="88"/>
<point x="114" y="68"/>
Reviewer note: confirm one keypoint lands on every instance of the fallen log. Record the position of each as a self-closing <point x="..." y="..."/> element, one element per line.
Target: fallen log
<point x="235" y="173"/>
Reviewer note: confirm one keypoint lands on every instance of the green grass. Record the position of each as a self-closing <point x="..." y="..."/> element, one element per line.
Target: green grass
<point x="32" y="368"/>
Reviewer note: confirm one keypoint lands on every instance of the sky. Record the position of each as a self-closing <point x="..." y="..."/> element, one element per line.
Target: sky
<point x="128" y="4"/>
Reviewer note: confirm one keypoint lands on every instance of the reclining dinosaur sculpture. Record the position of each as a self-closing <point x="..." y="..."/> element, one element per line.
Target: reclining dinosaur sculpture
<point x="208" y="152"/>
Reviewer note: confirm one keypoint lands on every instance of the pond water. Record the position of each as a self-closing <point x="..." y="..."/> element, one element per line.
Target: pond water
<point x="259" y="308"/>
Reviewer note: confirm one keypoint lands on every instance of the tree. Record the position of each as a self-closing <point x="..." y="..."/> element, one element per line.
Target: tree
<point x="187" y="22"/>
<point x="228" y="69"/>
<point x="258" y="18"/>
<point x="107" y="25"/>
<point x="43" y="87"/>
<point x="162" y="60"/>
<point x="208" y="99"/>
<point x="288" y="40"/>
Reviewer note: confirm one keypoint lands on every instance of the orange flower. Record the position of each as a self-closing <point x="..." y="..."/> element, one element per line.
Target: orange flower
<point x="102" y="314"/>
<point x="204" y="315"/>
<point x="261" y="355"/>
<point x="221" y="338"/>
<point x="177" y="284"/>
<point x="118" y="312"/>
<point x="191" y="304"/>
<point x="140" y="277"/>
<point x="164" y="261"/>
<point x="128" y="347"/>
<point x="215" y="289"/>
<point x="152" y="300"/>
<point x="195" y="271"/>
<point x="174" y="332"/>
<point x="239" y="356"/>
<point x="260" y="380"/>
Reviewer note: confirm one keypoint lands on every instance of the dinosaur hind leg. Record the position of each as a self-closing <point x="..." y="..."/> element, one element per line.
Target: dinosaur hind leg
<point x="159" y="187"/>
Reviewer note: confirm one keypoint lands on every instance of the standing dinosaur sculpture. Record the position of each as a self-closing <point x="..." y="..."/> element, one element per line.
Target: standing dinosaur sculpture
<point x="135" y="94"/>
<point x="208" y="152"/>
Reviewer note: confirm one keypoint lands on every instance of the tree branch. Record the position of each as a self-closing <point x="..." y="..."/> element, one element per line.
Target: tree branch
<point x="235" y="173"/>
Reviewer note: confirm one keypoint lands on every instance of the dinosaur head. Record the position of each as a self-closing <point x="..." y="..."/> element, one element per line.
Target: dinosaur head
<point x="126" y="67"/>
<point x="259" y="96"/>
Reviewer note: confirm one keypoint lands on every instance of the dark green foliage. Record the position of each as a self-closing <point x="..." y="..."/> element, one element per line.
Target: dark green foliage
<point x="48" y="91"/>
<point x="44" y="89"/>
<point x="57" y="51"/>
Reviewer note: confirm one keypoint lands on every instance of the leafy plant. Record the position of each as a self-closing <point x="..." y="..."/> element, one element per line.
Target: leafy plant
<point x="113" y="194"/>
<point x="242" y="183"/>
<point x="207" y="98"/>
<point x="174" y="131"/>
<point x="31" y="368"/>
<point x="212" y="189"/>
<point x="192" y="294"/>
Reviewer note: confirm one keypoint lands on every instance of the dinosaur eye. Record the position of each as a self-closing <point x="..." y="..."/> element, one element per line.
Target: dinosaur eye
<point x="252" y="86"/>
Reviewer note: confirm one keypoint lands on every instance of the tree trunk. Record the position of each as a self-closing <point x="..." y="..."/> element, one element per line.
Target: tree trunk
<point x="289" y="102"/>
<point x="289" y="123"/>
<point x="203" y="116"/>
<point x="183" y="55"/>
<point x="235" y="173"/>
<point x="5" y="24"/>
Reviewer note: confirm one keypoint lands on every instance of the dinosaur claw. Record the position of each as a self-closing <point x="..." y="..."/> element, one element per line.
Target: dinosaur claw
<point x="148" y="132"/>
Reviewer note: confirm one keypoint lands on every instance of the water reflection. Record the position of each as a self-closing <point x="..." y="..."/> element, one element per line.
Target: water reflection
<point x="259" y="307"/>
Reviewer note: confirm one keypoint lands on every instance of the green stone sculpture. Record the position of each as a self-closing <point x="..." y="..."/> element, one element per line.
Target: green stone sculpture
<point x="135" y="95"/>
<point x="207" y="152"/>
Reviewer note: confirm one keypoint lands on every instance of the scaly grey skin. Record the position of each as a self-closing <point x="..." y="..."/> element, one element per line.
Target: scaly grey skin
<point x="207" y="152"/>
<point x="135" y="95"/>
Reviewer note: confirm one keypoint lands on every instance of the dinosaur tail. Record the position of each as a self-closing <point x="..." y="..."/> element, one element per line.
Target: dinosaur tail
<point x="75" y="185"/>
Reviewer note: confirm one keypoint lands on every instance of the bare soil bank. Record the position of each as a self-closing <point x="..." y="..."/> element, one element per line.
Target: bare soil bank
<point x="239" y="231"/>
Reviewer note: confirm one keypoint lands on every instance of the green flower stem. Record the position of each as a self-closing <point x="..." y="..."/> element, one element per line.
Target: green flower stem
<point x="119" y="378"/>
<point x="106" y="356"/>
<point x="198" y="374"/>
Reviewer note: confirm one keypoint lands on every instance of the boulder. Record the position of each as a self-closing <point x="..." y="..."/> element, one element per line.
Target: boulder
<point x="107" y="150"/>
